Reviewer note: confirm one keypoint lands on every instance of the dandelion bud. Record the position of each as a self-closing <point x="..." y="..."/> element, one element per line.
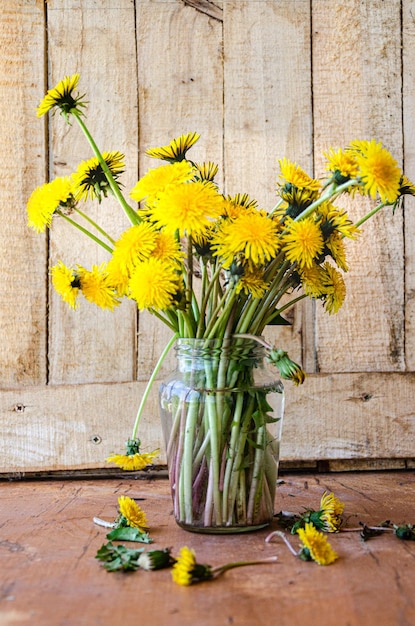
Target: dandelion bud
<point x="155" y="559"/>
<point x="289" y="370"/>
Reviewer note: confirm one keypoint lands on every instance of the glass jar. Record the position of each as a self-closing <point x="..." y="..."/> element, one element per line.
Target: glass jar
<point x="221" y="415"/>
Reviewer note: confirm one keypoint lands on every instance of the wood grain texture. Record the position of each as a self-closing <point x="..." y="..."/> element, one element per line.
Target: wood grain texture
<point x="343" y="417"/>
<point x="258" y="81"/>
<point x="268" y="113"/>
<point x="48" y="542"/>
<point x="180" y="82"/>
<point x="408" y="93"/>
<point x="357" y="94"/>
<point x="23" y="259"/>
<point x="92" y="345"/>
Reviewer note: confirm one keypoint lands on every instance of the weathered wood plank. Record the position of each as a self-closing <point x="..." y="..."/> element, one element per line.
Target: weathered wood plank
<point x="22" y="252"/>
<point x="331" y="417"/>
<point x="92" y="345"/>
<point x="408" y="87"/>
<point x="357" y="94"/>
<point x="180" y="82"/>
<point x="268" y="114"/>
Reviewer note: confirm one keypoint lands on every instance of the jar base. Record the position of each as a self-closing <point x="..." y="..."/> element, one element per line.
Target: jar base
<point x="222" y="530"/>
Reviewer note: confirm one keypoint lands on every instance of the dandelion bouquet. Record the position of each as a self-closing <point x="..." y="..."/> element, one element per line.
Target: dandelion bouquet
<point x="216" y="270"/>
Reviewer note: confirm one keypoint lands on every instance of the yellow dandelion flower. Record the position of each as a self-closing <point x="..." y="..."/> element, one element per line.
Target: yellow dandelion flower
<point x="206" y="171"/>
<point x="234" y="206"/>
<point x="342" y="164"/>
<point x="66" y="283"/>
<point x="251" y="234"/>
<point x="89" y="179"/>
<point x="378" y="171"/>
<point x="406" y="186"/>
<point x="62" y="97"/>
<point x="335" y="219"/>
<point x="96" y="287"/>
<point x="293" y="174"/>
<point x="331" y="511"/>
<point x="334" y="288"/>
<point x="336" y="247"/>
<point x="46" y="200"/>
<point x="167" y="248"/>
<point x="135" y="245"/>
<point x="187" y="571"/>
<point x="303" y="242"/>
<point x="244" y="201"/>
<point x="188" y="208"/>
<point x="161" y="178"/>
<point x="134" y="516"/>
<point x="312" y="281"/>
<point x="176" y="149"/>
<point x="315" y="546"/>
<point x="154" y="284"/>
<point x="252" y="283"/>
<point x="133" y="462"/>
<point x="183" y="567"/>
<point x="118" y="277"/>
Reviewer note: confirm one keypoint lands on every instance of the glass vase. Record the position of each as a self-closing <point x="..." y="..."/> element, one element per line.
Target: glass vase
<point x="221" y="414"/>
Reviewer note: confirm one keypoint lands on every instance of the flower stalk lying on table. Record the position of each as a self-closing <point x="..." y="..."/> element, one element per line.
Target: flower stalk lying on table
<point x="210" y="266"/>
<point x="187" y="571"/>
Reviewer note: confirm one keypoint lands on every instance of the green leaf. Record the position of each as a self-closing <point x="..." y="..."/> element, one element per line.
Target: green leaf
<point x="116" y="558"/>
<point x="279" y="320"/>
<point x="128" y="533"/>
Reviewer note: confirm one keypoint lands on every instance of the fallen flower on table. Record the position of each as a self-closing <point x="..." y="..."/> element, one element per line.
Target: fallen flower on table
<point x="131" y="514"/>
<point x="328" y="518"/>
<point x="131" y="523"/>
<point x="187" y="571"/>
<point x="315" y="546"/>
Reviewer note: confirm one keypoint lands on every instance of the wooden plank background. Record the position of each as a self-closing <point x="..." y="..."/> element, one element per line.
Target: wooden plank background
<point x="259" y="80"/>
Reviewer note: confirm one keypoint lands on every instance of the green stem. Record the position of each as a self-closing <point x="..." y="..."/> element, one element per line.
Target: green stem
<point x="332" y="192"/>
<point x="129" y="211"/>
<point x="150" y="383"/>
<point x="205" y="299"/>
<point x="217" y="324"/>
<point x="191" y="415"/>
<point x="217" y="571"/>
<point x="94" y="224"/>
<point x="370" y="214"/>
<point x="85" y="231"/>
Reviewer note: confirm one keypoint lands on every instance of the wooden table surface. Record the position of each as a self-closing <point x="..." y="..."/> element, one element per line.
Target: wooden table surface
<point x="49" y="576"/>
